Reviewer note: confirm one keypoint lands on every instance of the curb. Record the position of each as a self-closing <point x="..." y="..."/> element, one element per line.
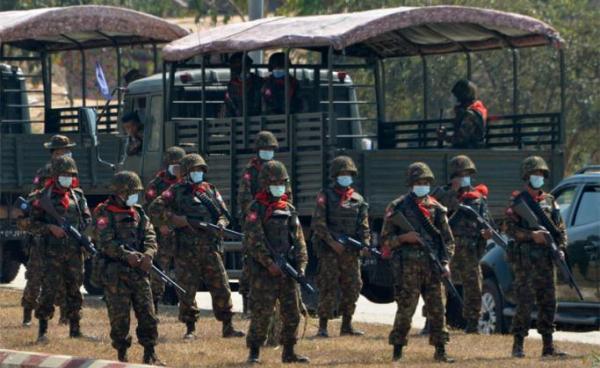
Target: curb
<point x="23" y="359"/>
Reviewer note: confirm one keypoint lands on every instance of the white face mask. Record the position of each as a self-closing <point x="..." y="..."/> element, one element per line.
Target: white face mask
<point x="173" y="169"/>
<point x="197" y="176"/>
<point x="65" y="181"/>
<point x="277" y="190"/>
<point x="266" y="155"/>
<point x="421" y="190"/>
<point x="465" y="181"/>
<point x="536" y="181"/>
<point x="344" y="180"/>
<point x="278" y="73"/>
<point x="132" y="199"/>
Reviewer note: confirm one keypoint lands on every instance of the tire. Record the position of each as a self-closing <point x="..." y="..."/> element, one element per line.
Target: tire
<point x="10" y="265"/>
<point x="87" y="284"/>
<point x="378" y="294"/>
<point x="492" y="320"/>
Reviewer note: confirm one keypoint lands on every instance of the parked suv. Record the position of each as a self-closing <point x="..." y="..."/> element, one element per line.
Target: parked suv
<point x="578" y="197"/>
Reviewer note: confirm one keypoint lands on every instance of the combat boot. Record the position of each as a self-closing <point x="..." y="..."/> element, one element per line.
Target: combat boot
<point x="289" y="356"/>
<point x="190" y="329"/>
<point x="63" y="320"/>
<point x="74" y="329"/>
<point x="549" y="350"/>
<point x="472" y="327"/>
<point x="517" y="349"/>
<point x="322" y="328"/>
<point x="254" y="355"/>
<point x="43" y="331"/>
<point x="347" y="329"/>
<point x="440" y="354"/>
<point x="230" y="331"/>
<point x="397" y="353"/>
<point x="151" y="358"/>
<point x="122" y="355"/>
<point x="27" y="317"/>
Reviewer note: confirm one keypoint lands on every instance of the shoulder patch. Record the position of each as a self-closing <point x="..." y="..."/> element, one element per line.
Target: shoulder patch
<point x="321" y="199"/>
<point x="151" y="192"/>
<point x="36" y="180"/>
<point x="247" y="176"/>
<point x="167" y="194"/>
<point x="515" y="194"/>
<point x="252" y="216"/>
<point x="389" y="212"/>
<point x="102" y="223"/>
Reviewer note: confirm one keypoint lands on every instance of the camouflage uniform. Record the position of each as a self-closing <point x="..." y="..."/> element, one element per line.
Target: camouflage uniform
<point x="533" y="267"/>
<point x="470" y="244"/>
<point x="167" y="244"/>
<point x="253" y="84"/>
<point x="470" y="123"/>
<point x="62" y="257"/>
<point x="122" y="231"/>
<point x="272" y="225"/>
<point x="273" y="90"/>
<point x="413" y="271"/>
<point x="342" y="211"/>
<point x="198" y="255"/>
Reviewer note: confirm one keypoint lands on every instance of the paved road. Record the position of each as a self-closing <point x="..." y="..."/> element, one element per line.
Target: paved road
<point x="365" y="312"/>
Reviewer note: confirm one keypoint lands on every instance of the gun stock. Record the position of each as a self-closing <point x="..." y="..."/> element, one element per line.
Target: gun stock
<point x="498" y="239"/>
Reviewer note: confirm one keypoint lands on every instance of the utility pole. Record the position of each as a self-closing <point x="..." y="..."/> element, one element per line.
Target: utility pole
<point x="256" y="11"/>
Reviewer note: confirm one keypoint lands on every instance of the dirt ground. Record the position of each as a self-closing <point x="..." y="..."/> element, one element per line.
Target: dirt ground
<point x="210" y="350"/>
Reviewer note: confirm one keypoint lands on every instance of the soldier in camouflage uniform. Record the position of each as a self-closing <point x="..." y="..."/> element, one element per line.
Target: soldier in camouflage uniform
<point x="272" y="225"/>
<point x="198" y="255"/>
<point x="58" y="146"/>
<point x="233" y="106"/>
<point x="165" y="236"/>
<point x="127" y="241"/>
<point x="62" y="255"/>
<point x="531" y="259"/>
<point x="413" y="271"/>
<point x="341" y="211"/>
<point x="469" y="236"/>
<point x="273" y="90"/>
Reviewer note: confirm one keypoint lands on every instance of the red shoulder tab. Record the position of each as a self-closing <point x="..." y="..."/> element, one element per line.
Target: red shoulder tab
<point x="321" y="199"/>
<point x="102" y="223"/>
<point x="252" y="216"/>
<point x="515" y="194"/>
<point x="483" y="189"/>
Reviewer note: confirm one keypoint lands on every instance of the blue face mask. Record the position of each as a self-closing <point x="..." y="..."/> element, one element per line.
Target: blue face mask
<point x="197" y="176"/>
<point x="278" y="73"/>
<point x="465" y="181"/>
<point x="421" y="190"/>
<point x="277" y="190"/>
<point x="65" y="181"/>
<point x="266" y="155"/>
<point x="344" y="180"/>
<point x="536" y="181"/>
<point x="132" y="199"/>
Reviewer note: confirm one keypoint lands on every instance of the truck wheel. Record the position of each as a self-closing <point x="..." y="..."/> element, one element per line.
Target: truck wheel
<point x="87" y="284"/>
<point x="10" y="265"/>
<point x="492" y="319"/>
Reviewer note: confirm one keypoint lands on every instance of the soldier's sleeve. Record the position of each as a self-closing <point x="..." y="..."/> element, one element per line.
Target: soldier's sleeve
<point x="244" y="195"/>
<point x="105" y="236"/>
<point x="255" y="239"/>
<point x="364" y="230"/>
<point x="85" y="212"/>
<point x="151" y="192"/>
<point x="447" y="197"/>
<point x="486" y="214"/>
<point x="390" y="232"/>
<point x="161" y="208"/>
<point x="514" y="229"/>
<point x="446" y="233"/>
<point x="150" y="245"/>
<point x="223" y="221"/>
<point x="35" y="222"/>
<point x="319" y="220"/>
<point x="560" y="225"/>
<point x="301" y="254"/>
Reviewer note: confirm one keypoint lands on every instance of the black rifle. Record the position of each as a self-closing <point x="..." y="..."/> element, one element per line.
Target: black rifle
<point x="197" y="224"/>
<point x="524" y="211"/>
<point x="407" y="227"/>
<point x="163" y="276"/>
<point x="285" y="266"/>
<point x="350" y="242"/>
<point x="498" y="239"/>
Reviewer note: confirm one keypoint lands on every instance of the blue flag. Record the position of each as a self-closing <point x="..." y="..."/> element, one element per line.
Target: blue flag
<point x="101" y="82"/>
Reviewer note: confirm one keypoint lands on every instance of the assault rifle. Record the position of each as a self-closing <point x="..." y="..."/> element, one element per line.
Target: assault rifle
<point x="197" y="224"/>
<point x="498" y="239"/>
<point x="350" y="242"/>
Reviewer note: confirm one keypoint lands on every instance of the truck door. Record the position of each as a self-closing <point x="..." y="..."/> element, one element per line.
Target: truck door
<point x="152" y="157"/>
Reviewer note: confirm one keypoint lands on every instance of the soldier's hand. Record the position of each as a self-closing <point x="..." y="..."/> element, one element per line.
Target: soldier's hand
<point x="539" y="237"/>
<point x="146" y="263"/>
<point x="179" y="221"/>
<point x="337" y="247"/>
<point x="561" y="255"/>
<point x="446" y="271"/>
<point x="275" y="271"/>
<point x="486" y="234"/>
<point x="133" y="259"/>
<point x="164" y="230"/>
<point x="56" y="231"/>
<point x="221" y="229"/>
<point x="411" y="237"/>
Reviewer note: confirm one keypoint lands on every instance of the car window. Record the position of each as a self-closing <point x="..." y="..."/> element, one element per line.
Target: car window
<point x="565" y="198"/>
<point x="589" y="206"/>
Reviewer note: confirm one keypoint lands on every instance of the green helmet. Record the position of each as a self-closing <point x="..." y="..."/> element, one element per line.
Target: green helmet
<point x="533" y="163"/>
<point x="417" y="171"/>
<point x="189" y="161"/>
<point x="173" y="155"/>
<point x="342" y="163"/>
<point x="272" y="171"/>
<point x="62" y="165"/>
<point x="266" y="139"/>
<point x="126" y="182"/>
<point x="59" y="141"/>
<point x="461" y="163"/>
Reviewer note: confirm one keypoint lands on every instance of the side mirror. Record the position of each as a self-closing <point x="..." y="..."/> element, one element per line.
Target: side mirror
<point x="88" y="123"/>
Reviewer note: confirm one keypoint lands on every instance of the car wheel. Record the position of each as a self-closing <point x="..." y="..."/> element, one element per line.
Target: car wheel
<point x="492" y="319"/>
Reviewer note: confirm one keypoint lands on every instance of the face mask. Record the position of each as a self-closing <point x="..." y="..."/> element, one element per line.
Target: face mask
<point x="173" y="169"/>
<point x="65" y="181"/>
<point x="465" y="181"/>
<point x="197" y="176"/>
<point x="277" y="190"/>
<point x="536" y="181"/>
<point x="266" y="155"/>
<point x="132" y="199"/>
<point x="67" y="154"/>
<point x="278" y="73"/>
<point x="421" y="190"/>
<point x="344" y="180"/>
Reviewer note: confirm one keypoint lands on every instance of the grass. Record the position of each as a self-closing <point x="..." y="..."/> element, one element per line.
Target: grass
<point x="209" y="349"/>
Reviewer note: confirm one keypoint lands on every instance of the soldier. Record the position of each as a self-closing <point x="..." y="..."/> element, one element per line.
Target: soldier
<point x="273" y="90"/>
<point x="413" y="271"/>
<point x="272" y="225"/>
<point x="127" y="241"/>
<point x="470" y="238"/>
<point x="198" y="255"/>
<point x="470" y="122"/>
<point x="233" y="97"/>
<point x="532" y="260"/>
<point x="62" y="255"/>
<point x="58" y="146"/>
<point x="165" y="236"/>
<point x="133" y="127"/>
<point x="339" y="211"/>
